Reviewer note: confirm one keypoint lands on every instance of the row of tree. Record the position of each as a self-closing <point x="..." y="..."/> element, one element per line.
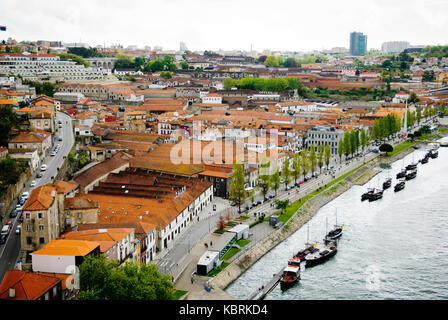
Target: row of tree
<point x="273" y="85"/>
<point x="351" y="142"/>
<point x="271" y="178"/>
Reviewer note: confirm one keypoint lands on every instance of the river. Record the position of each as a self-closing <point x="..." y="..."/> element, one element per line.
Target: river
<point x="393" y="248"/>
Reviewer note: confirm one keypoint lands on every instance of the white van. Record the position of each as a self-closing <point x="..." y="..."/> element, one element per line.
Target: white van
<point x="5" y="229"/>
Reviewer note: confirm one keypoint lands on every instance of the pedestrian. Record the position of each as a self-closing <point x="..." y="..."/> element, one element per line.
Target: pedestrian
<point x="192" y="280"/>
<point x="211" y="243"/>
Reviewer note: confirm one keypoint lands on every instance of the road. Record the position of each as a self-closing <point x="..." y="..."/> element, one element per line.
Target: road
<point x="9" y="251"/>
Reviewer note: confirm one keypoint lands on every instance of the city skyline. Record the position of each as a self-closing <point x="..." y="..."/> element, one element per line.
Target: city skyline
<point x="289" y="27"/>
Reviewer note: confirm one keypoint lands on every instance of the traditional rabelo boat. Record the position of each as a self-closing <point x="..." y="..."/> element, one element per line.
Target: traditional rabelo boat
<point x="336" y="232"/>
<point x="399" y="186"/>
<point x="290" y="276"/>
<point x="411" y="166"/>
<point x="320" y="255"/>
<point x="401" y="174"/>
<point x="366" y="196"/>
<point x="387" y="184"/>
<point x="425" y="159"/>
<point x="433" y="154"/>
<point x="376" y="195"/>
<point x="411" y="175"/>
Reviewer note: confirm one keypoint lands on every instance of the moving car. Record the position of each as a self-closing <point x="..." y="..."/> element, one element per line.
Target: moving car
<point x="33" y="184"/>
<point x="18" y="229"/>
<point x="39" y="175"/>
<point x="43" y="167"/>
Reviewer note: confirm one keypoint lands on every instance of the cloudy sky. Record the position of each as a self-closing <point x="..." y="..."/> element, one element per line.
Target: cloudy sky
<point x="295" y="25"/>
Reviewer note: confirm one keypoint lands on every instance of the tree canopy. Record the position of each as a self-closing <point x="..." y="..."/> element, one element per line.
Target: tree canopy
<point x="103" y="279"/>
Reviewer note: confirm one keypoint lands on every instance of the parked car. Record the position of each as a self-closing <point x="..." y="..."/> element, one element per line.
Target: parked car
<point x="18" y="229"/>
<point x="43" y="167"/>
<point x="39" y="175"/>
<point x="13" y="213"/>
<point x="53" y="153"/>
<point x="259" y="201"/>
<point x="22" y="201"/>
<point x="5" y="229"/>
<point x="60" y="126"/>
<point x="59" y="122"/>
<point x="19" y="207"/>
<point x="60" y="139"/>
<point x="25" y="195"/>
<point x="33" y="184"/>
<point x="3" y="238"/>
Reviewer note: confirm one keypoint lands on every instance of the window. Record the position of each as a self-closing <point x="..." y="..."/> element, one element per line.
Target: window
<point x="28" y="227"/>
<point x="41" y="240"/>
<point x="40" y="215"/>
<point x="27" y="216"/>
<point x="79" y="215"/>
<point x="41" y="227"/>
<point x="29" y="240"/>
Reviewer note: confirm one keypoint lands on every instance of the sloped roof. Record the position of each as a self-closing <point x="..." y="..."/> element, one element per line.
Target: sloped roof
<point x="27" y="285"/>
<point x="41" y="198"/>
<point x="67" y="248"/>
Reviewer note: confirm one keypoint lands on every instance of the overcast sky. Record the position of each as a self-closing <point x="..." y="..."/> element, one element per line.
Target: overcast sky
<point x="294" y="25"/>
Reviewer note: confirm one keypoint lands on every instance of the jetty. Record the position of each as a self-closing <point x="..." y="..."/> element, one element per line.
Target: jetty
<point x="264" y="290"/>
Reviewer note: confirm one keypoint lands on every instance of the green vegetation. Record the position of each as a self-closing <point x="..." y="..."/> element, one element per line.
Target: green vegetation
<point x="103" y="279"/>
<point x="168" y="63"/>
<point x="230" y="253"/>
<point x="8" y="120"/>
<point x="237" y="191"/>
<point x="273" y="85"/>
<point x="214" y="272"/>
<point x="10" y="171"/>
<point x="388" y="125"/>
<point x="243" y="242"/>
<point x="46" y="88"/>
<point x="435" y="51"/>
<point x="86" y="52"/>
<point x="73" y="57"/>
<point x="363" y="94"/>
<point x="166" y="75"/>
<point x="400" y="147"/>
<point x="126" y="62"/>
<point x="179" y="294"/>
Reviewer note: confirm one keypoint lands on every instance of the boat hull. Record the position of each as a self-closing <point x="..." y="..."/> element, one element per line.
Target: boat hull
<point x="321" y="259"/>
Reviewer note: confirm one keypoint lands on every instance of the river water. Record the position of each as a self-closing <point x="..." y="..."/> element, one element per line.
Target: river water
<point x="393" y="248"/>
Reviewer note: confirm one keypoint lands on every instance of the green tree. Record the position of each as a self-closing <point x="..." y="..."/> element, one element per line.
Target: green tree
<point x="305" y="162"/>
<point x="347" y="143"/>
<point x="286" y="172"/>
<point x="320" y="156"/>
<point x="237" y="191"/>
<point x="184" y="65"/>
<point x="419" y="115"/>
<point x="275" y="179"/>
<point x="272" y="61"/>
<point x="102" y="279"/>
<point x="313" y="158"/>
<point x="363" y="139"/>
<point x="327" y="155"/>
<point x="341" y="149"/>
<point x="281" y="204"/>
<point x="296" y="167"/>
<point x="252" y="195"/>
<point x="8" y="120"/>
<point x="264" y="177"/>
<point x="166" y="75"/>
<point x="73" y="57"/>
<point x="385" y="147"/>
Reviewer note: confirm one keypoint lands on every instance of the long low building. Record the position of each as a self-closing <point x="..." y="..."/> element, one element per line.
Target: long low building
<point x="170" y="202"/>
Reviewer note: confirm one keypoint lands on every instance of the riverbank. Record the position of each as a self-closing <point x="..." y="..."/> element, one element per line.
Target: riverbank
<point x="361" y="176"/>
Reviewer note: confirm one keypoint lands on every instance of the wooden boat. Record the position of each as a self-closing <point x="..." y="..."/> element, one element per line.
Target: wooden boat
<point x="434" y="154"/>
<point x="378" y="194"/>
<point x="411" y="175"/>
<point x="399" y="186"/>
<point x="424" y="160"/>
<point x="366" y="196"/>
<point x="401" y="174"/>
<point x="335" y="233"/>
<point x="387" y="183"/>
<point x="290" y="276"/>
<point x="320" y="255"/>
<point x="411" y="166"/>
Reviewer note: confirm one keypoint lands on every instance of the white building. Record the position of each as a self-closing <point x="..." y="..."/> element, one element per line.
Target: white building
<point x="394" y="46"/>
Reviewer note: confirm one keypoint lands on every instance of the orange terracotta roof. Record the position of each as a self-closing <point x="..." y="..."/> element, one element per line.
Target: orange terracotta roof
<point x="64" y="186"/>
<point x="41" y="198"/>
<point x="27" y="285"/>
<point x="67" y="248"/>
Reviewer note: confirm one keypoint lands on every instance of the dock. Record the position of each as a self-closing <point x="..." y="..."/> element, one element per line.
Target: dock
<point x="264" y="290"/>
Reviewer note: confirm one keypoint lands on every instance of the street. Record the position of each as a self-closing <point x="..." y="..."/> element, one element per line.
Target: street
<point x="9" y="251"/>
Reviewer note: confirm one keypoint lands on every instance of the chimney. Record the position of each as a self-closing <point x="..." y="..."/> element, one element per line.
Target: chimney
<point x="12" y="292"/>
